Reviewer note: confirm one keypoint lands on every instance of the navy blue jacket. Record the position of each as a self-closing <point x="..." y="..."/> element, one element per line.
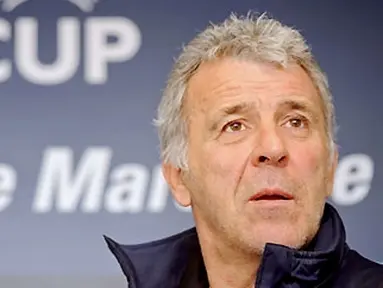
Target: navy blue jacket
<point x="176" y="262"/>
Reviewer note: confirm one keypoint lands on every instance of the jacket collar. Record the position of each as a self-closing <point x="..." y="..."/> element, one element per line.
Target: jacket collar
<point x="176" y="261"/>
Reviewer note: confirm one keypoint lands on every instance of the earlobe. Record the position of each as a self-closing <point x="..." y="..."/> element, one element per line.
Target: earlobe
<point x="173" y="177"/>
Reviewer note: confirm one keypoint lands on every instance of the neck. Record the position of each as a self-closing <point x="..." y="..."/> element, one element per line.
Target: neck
<point x="227" y="266"/>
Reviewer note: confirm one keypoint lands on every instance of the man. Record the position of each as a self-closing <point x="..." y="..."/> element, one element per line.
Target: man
<point x="246" y="126"/>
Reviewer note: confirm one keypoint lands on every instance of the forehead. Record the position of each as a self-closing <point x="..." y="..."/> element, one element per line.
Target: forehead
<point x="223" y="80"/>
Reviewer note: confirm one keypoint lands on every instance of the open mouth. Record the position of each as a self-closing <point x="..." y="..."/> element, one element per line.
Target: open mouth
<point x="271" y="195"/>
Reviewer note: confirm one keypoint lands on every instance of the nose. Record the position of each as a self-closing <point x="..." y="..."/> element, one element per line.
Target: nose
<point x="270" y="149"/>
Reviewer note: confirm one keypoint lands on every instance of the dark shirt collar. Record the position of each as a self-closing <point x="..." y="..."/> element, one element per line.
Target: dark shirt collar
<point x="176" y="261"/>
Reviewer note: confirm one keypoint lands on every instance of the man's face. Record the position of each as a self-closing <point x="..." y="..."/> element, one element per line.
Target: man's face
<point x="259" y="167"/>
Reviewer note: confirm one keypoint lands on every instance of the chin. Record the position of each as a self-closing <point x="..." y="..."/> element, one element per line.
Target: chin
<point x="286" y="235"/>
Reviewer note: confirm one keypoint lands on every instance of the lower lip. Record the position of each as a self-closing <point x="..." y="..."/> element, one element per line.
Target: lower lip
<point x="272" y="203"/>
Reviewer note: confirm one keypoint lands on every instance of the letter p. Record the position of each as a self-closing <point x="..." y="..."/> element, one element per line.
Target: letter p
<point x="100" y="52"/>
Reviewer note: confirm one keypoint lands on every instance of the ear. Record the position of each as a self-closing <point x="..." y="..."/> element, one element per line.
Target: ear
<point x="332" y="172"/>
<point x="173" y="177"/>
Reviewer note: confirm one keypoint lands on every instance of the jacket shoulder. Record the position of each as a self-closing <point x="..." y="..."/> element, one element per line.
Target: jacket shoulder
<point x="359" y="272"/>
<point x="158" y="262"/>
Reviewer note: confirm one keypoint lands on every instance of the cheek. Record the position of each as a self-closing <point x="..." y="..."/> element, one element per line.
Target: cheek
<point x="309" y="164"/>
<point x="224" y="165"/>
<point x="308" y="159"/>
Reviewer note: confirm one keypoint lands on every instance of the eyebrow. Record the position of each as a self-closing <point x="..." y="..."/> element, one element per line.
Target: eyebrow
<point x="246" y="107"/>
<point x="300" y="106"/>
<point x="237" y="109"/>
<point x="294" y="105"/>
<point x="240" y="108"/>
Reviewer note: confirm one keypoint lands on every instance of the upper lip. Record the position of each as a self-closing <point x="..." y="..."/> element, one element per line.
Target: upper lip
<point x="271" y="192"/>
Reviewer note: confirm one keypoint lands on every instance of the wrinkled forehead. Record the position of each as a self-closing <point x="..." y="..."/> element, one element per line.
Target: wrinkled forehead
<point x="228" y="80"/>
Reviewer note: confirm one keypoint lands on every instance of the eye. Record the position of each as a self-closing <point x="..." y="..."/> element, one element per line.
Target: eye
<point x="234" y="126"/>
<point x="297" y="122"/>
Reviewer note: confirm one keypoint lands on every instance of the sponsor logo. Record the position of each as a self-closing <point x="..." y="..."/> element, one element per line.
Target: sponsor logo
<point x="91" y="184"/>
<point x="96" y="56"/>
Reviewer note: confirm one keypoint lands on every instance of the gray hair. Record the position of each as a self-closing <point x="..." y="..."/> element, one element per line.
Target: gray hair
<point x="254" y="37"/>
